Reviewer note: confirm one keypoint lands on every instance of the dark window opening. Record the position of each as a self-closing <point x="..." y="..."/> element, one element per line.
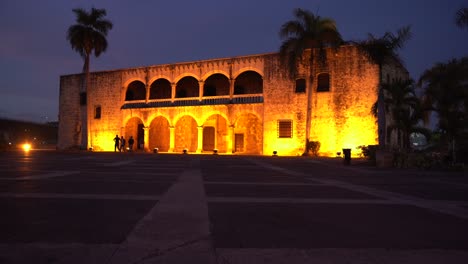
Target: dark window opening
<point x="83" y="98"/>
<point x="129" y="96"/>
<point x="181" y="94"/>
<point x="300" y="86"/>
<point x="285" y="129"/>
<point x="187" y="87"/>
<point x="160" y="89"/>
<point x="97" y="112"/>
<point x="136" y="90"/>
<point x="239" y="89"/>
<point x="250" y="81"/>
<point x="219" y="82"/>
<point x="323" y="82"/>
<point x="209" y="90"/>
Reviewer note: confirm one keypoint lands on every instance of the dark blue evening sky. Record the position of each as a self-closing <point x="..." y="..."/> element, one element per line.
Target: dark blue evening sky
<point x="34" y="51"/>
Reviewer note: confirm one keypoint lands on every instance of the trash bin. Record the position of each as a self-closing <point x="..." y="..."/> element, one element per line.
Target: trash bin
<point x="347" y="156"/>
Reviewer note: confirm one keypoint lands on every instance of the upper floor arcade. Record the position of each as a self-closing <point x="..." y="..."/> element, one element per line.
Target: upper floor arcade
<point x="207" y="82"/>
<point x="188" y="90"/>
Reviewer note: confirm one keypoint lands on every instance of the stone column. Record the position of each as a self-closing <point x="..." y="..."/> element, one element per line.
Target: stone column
<point x="171" y="138"/>
<point x="173" y="91"/>
<point x="146" y="138"/>
<point x="231" y="88"/>
<point x="230" y="139"/>
<point x="200" y="139"/>
<point x="147" y="93"/>
<point x="200" y="90"/>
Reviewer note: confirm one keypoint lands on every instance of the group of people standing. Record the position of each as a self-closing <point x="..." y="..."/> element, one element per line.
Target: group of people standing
<point x="120" y="143"/>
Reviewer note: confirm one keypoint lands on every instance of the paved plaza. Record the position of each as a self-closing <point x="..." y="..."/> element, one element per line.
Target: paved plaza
<point x="84" y="207"/>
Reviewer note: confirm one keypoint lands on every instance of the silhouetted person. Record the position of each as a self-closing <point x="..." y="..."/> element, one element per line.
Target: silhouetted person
<point x="117" y="143"/>
<point x="131" y="141"/>
<point x="122" y="144"/>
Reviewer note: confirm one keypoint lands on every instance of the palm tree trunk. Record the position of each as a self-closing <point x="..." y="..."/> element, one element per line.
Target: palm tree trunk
<point x="309" y="103"/>
<point x="84" y="107"/>
<point x="381" y="118"/>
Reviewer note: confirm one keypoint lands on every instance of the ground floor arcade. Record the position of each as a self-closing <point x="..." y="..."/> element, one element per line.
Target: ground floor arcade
<point x="244" y="135"/>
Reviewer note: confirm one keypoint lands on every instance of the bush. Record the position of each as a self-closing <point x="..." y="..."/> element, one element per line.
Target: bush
<point x="369" y="152"/>
<point x="314" y="147"/>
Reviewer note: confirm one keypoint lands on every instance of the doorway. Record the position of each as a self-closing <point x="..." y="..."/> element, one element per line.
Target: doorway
<point x="208" y="138"/>
<point x="239" y="143"/>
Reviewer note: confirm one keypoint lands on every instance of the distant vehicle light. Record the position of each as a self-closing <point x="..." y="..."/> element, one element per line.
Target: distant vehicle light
<point x="26" y="147"/>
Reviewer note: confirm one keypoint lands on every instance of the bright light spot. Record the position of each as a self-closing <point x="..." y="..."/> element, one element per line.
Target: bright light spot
<point x="26" y="147"/>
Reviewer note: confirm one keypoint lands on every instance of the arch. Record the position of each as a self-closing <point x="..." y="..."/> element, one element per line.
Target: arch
<point x="242" y="70"/>
<point x="181" y="115"/>
<point x="160" y="89"/>
<point x="215" y="132"/>
<point x="248" y="82"/>
<point x="208" y="74"/>
<point x="159" y="76"/>
<point x="187" y="74"/>
<point x="323" y="82"/>
<point x="136" y="90"/>
<point x="186" y="134"/>
<point x="207" y="115"/>
<point x="159" y="134"/>
<point x="128" y="81"/>
<point x="188" y="86"/>
<point x="248" y="134"/>
<point x="134" y="128"/>
<point x="216" y="85"/>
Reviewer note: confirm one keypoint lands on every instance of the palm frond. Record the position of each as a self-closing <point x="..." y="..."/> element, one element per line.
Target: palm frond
<point x="461" y="18"/>
<point x="307" y="31"/>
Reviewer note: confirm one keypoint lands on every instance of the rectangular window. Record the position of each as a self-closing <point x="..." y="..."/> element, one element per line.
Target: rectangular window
<point x="300" y="86"/>
<point x="323" y="82"/>
<point x="97" y="112"/>
<point x="83" y="98"/>
<point x="285" y="128"/>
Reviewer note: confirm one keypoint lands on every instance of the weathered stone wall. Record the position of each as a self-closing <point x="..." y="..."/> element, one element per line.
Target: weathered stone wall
<point x="69" y="112"/>
<point x="282" y="102"/>
<point x="340" y="117"/>
<point x="104" y="92"/>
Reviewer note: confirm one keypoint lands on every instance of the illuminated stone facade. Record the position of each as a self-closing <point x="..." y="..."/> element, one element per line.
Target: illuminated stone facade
<point x="241" y="105"/>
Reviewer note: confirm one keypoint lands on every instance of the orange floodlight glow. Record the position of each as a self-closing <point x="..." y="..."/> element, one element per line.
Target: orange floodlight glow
<point x="26" y="147"/>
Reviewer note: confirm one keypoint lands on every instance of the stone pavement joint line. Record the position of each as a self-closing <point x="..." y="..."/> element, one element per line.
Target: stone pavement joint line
<point x="448" y="208"/>
<point x="176" y="229"/>
<point x="81" y="196"/>
<point x="119" y="163"/>
<point x="264" y="183"/>
<point x="297" y="200"/>
<point x="42" y="176"/>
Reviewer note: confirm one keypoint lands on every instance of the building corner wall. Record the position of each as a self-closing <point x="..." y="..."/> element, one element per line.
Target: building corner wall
<point x="69" y="112"/>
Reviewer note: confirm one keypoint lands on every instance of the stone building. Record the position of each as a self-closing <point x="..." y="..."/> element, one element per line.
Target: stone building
<point x="241" y="105"/>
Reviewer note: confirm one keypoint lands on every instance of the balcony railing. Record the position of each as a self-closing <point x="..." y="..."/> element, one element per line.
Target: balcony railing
<point x="195" y="101"/>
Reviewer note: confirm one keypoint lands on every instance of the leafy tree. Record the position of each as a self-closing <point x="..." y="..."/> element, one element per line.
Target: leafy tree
<point x="446" y="93"/>
<point x="461" y="18"/>
<point x="88" y="35"/>
<point x="307" y="32"/>
<point x="383" y="51"/>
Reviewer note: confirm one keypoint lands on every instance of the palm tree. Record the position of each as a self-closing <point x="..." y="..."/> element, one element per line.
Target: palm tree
<point x="446" y="93"/>
<point x="383" y="51"/>
<point x="88" y="35"/>
<point x="307" y="32"/>
<point x="461" y="18"/>
<point x="404" y="108"/>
